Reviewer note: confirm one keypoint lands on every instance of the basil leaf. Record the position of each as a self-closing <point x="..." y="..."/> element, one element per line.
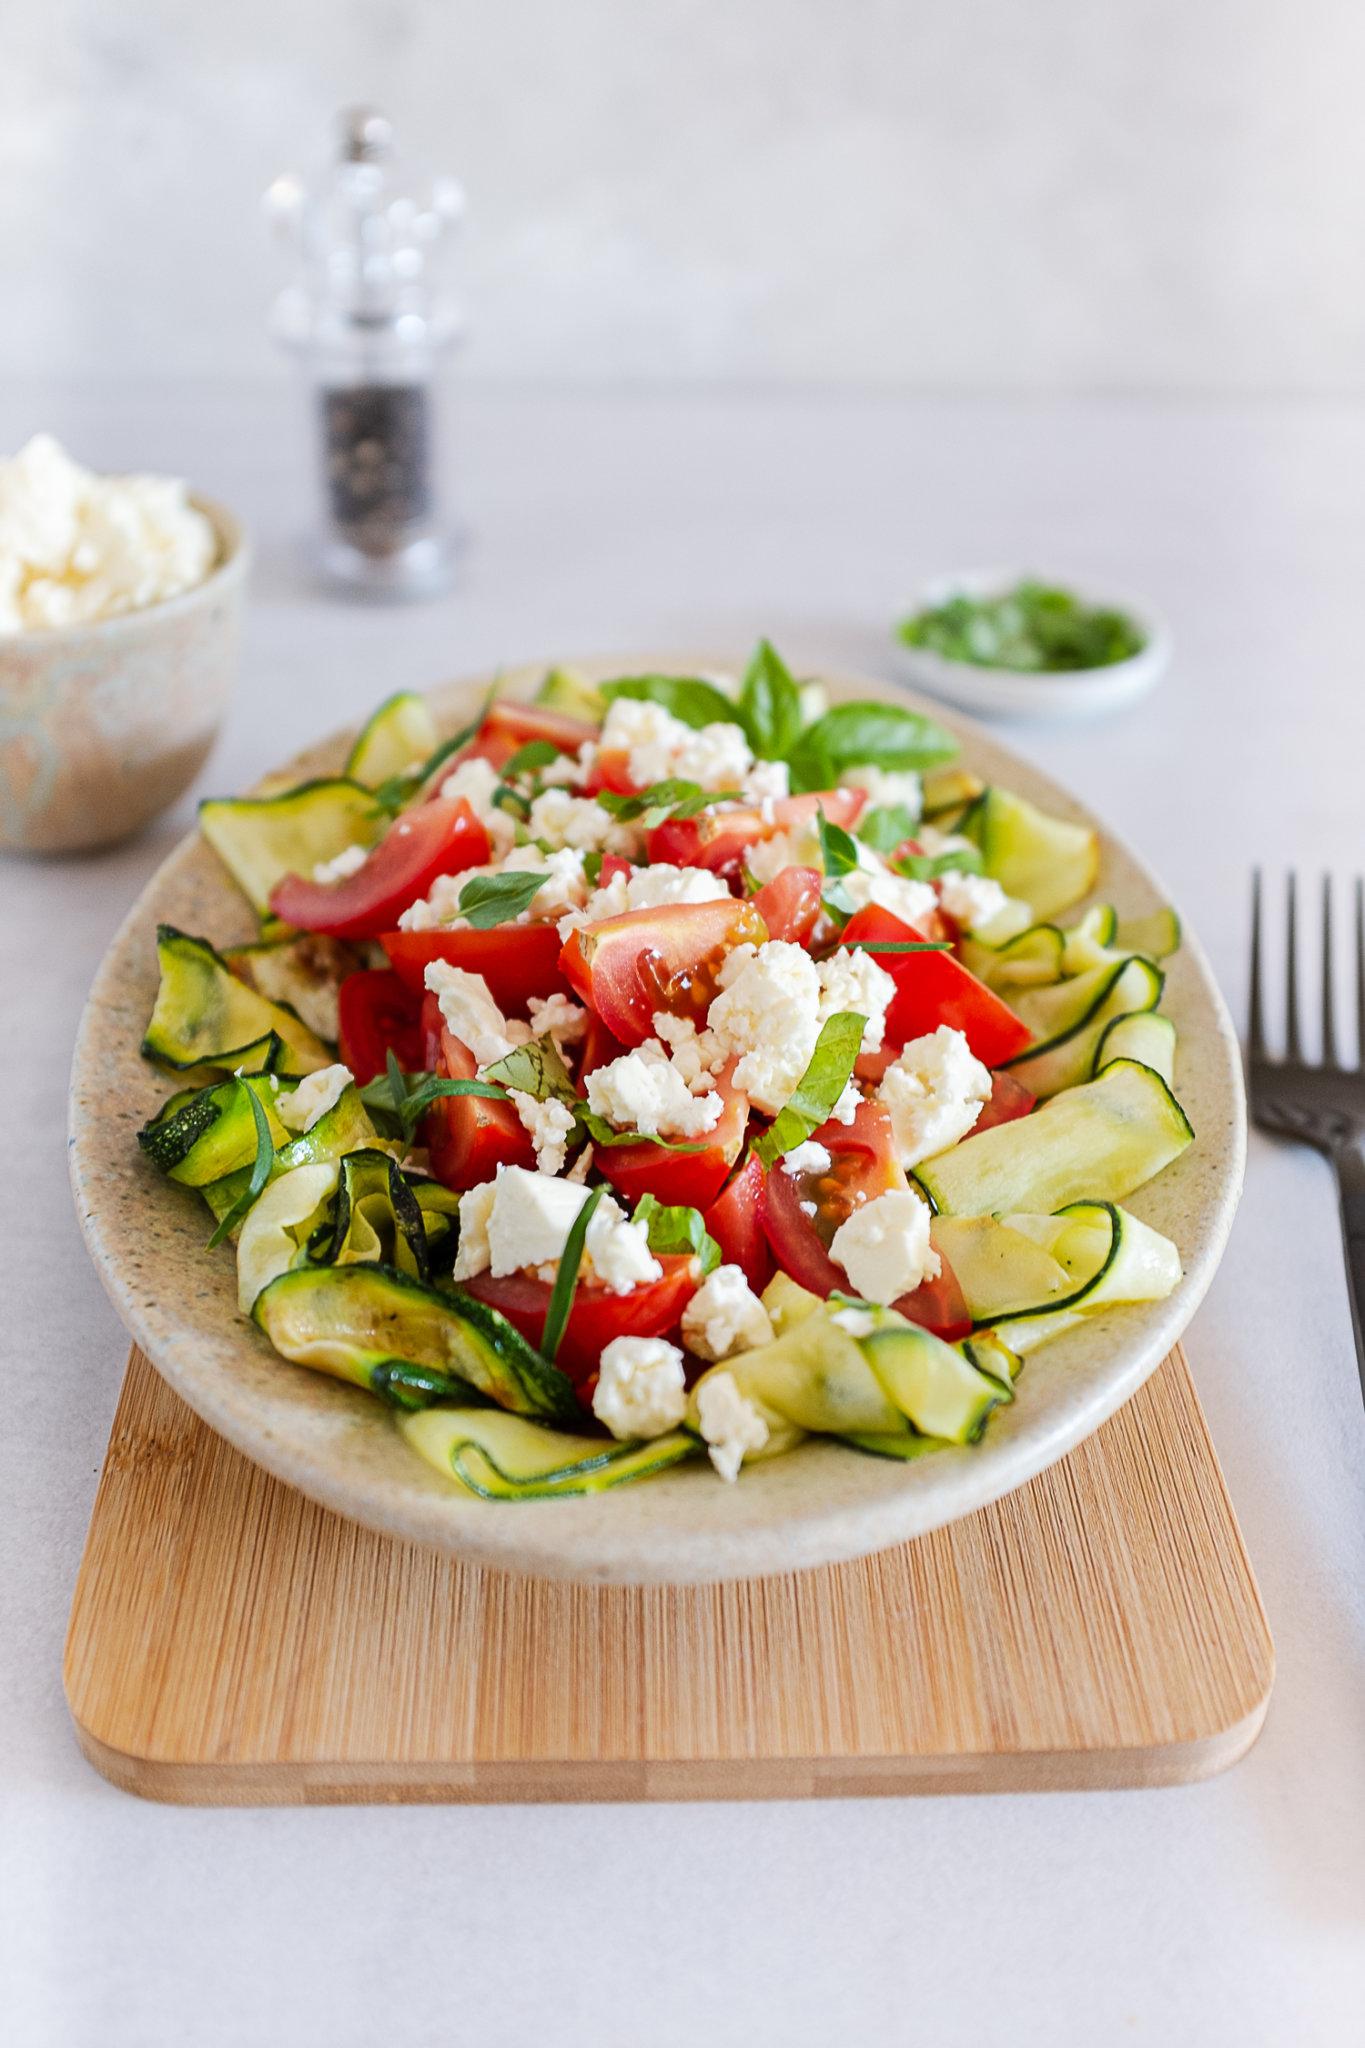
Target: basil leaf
<point x="421" y="1099"/>
<point x="839" y="854"/>
<point x="397" y="1080"/>
<point x="535" y="754"/>
<point x="498" y="899"/>
<point x="770" y="703"/>
<point x="927" y="867"/>
<point x="535" y="1069"/>
<point x="673" y="799"/>
<point x="885" y="830"/>
<point x="677" y="1230"/>
<point x="890" y="734"/>
<point x="690" y="699"/>
<point x="824" y="1081"/>
<point x="602" y="1133"/>
<point x="592" y="867"/>
<point x="566" y="1279"/>
<point x="260" y="1172"/>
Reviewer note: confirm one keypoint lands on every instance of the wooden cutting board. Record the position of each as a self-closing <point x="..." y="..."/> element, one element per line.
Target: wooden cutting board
<point x="233" y="1644"/>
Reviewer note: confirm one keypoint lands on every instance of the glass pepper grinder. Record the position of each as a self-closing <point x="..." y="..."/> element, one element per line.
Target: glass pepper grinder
<point x="368" y="321"/>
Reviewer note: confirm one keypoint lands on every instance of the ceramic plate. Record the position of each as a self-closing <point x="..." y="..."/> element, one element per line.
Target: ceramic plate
<point x="819" y="1504"/>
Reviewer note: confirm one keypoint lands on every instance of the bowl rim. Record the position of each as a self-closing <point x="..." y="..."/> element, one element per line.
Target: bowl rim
<point x="235" y="553"/>
<point x="935" y="590"/>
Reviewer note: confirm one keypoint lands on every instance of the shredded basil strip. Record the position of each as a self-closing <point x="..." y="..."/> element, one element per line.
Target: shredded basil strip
<point x="497" y="899"/>
<point x="536" y="1069"/>
<point x="535" y="754"/>
<point x="421" y="1099"/>
<point x="898" y="945"/>
<point x="672" y="798"/>
<point x="839" y="856"/>
<point x="677" y="1230"/>
<point x="927" y="867"/>
<point x="566" y="1279"/>
<point x="824" y="1081"/>
<point x="260" y="1172"/>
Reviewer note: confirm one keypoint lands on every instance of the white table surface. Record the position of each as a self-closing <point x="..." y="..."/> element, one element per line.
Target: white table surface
<point x="1232" y="1911"/>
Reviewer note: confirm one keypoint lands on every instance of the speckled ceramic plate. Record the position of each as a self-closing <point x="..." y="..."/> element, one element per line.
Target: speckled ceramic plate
<point x="821" y="1503"/>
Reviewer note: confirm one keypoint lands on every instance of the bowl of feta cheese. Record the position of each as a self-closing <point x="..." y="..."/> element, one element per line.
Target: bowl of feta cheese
<point x="119" y="603"/>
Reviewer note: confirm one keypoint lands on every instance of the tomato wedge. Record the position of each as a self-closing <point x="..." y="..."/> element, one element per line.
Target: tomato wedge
<point x="934" y="989"/>
<point x="1008" y="1099"/>
<point x="863" y="1165"/>
<point x="689" y="1180"/>
<point x="439" y="838"/>
<point x="516" y="960"/>
<point x="597" y="1315"/>
<point x="628" y="967"/>
<point x="470" y="1136"/>
<point x="508" y="727"/>
<point x="599" y="1048"/>
<point x="719" y="840"/>
<point x="735" y="1220"/>
<point x="790" y="904"/>
<point x="378" y="1015"/>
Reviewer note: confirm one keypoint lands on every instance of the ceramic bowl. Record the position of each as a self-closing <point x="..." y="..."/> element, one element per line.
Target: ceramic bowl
<point x="819" y="1504"/>
<point x="103" y="725"/>
<point x="1010" y="693"/>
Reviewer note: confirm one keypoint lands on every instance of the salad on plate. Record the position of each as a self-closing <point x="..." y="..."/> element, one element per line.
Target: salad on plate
<point x="668" y="1069"/>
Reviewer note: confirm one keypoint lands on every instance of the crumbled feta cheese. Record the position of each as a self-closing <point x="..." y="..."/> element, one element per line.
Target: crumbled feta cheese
<point x="475" y="780"/>
<point x="766" y="782"/>
<point x="854" y="981"/>
<point x="981" y="906"/>
<point x="617" y="1252"/>
<point x="644" y="1090"/>
<point x="75" y="546"/>
<point x="646" y="889"/>
<point x="695" y="1054"/>
<point x="934" y="1091"/>
<point x="440" y="905"/>
<point x="725" y="1316"/>
<point x="730" y="1423"/>
<point x="348" y="862"/>
<point x="768" y="1014"/>
<point x="933" y="842"/>
<point x="565" y="888"/>
<point x="807" y="1158"/>
<point x="550" y="1126"/>
<point x="886" y="787"/>
<point x="859" y="1322"/>
<point x="471" y="1015"/>
<point x="873" y="882"/>
<point x="530" y="1220"/>
<point x="473" y="1254"/>
<point x="577" y="821"/>
<point x="846" y="1108"/>
<point x="640" y="1390"/>
<point x="660" y="746"/>
<point x="563" y="769"/>
<point x="884" y="1247"/>
<point x="799" y="848"/>
<point x="314" y="1096"/>
<point x="565" y="1022"/>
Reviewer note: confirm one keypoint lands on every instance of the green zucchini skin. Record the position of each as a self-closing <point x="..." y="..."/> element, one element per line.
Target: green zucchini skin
<point x="206" y="1021"/>
<point x="400" y="734"/>
<point x="1098" y="999"/>
<point x="261" y="839"/>
<point x="352" y="1320"/>
<point x="378" y="1219"/>
<point x="1044" y="861"/>
<point x="498" y="1456"/>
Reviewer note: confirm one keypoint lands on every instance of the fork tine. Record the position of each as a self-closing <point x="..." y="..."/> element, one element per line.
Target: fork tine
<point x="1329" y="1025"/>
<point x="1293" y="1050"/>
<point x="1256" y="1019"/>
<point x="1360" y="973"/>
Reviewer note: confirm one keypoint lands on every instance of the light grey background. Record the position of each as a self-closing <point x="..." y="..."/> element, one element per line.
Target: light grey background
<point x="1132" y="194"/>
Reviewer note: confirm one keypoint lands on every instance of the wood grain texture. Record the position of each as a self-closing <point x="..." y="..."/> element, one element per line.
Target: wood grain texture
<point x="232" y="1643"/>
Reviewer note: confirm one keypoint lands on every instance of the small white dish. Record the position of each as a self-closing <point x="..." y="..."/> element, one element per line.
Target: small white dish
<point x="1016" y="693"/>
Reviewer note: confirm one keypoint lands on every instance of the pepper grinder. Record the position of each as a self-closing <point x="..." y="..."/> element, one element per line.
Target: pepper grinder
<point x="367" y="321"/>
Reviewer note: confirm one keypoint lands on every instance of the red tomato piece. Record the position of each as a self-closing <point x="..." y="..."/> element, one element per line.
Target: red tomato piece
<point x="609" y="771"/>
<point x="688" y="1180"/>
<point x="934" y="989"/>
<point x="507" y="727"/>
<point x="516" y="960"/>
<point x="470" y="1136"/>
<point x="735" y="1220"/>
<point x="599" y="1048"/>
<point x="719" y="840"/>
<point x="378" y="1015"/>
<point x="628" y="967"/>
<point x="613" y="865"/>
<point x="1008" y="1099"/>
<point x="863" y="1165"/>
<point x="440" y="838"/>
<point x="597" y="1316"/>
<point x="790" y="904"/>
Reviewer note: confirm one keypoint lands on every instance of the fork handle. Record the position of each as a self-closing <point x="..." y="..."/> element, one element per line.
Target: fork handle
<point x="1349" y="1161"/>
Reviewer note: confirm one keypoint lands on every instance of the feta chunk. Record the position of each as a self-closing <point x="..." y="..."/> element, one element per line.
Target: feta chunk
<point x="314" y="1096"/>
<point x="473" y="1254"/>
<point x="565" y="1022"/>
<point x="342" y="866"/>
<point x="725" y="1316"/>
<point x="564" y="889"/>
<point x="575" y="821"/>
<point x="859" y="1322"/>
<point x="854" y="981"/>
<point x="767" y="782"/>
<point x="644" y="1090"/>
<point x="767" y="1014"/>
<point x="471" y="1015"/>
<point x="646" y="889"/>
<point x="640" y="1390"/>
<point x="530" y="1219"/>
<point x="934" y="1091"/>
<point x="550" y="1126"/>
<point x="475" y="780"/>
<point x="873" y="882"/>
<point x="807" y="1158"/>
<point x="886" y="787"/>
<point x="660" y="746"/>
<point x="980" y="905"/>
<point x="730" y="1423"/>
<point x="884" y="1247"/>
<point x="799" y="848"/>
<point x="617" y="1252"/>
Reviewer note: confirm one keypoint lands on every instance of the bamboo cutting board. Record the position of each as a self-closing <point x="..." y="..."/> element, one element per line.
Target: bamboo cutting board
<point x="233" y="1644"/>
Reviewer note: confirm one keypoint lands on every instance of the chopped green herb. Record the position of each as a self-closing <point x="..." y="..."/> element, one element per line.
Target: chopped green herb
<point x="566" y="1279"/>
<point x="677" y="1230"/>
<point x="498" y="899"/>
<point x="1032" y="629"/>
<point x="824" y="1081"/>
<point x="260" y="1171"/>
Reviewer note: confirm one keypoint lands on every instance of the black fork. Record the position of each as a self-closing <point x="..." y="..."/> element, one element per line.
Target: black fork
<point x="1322" y="1104"/>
